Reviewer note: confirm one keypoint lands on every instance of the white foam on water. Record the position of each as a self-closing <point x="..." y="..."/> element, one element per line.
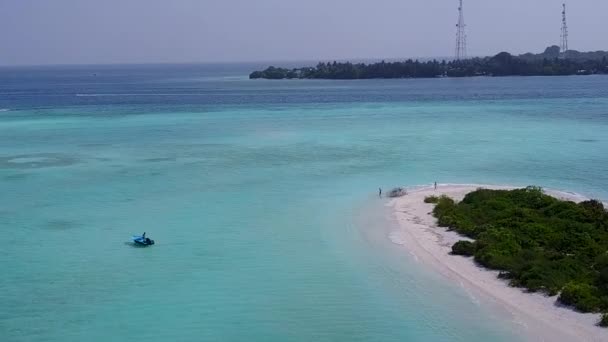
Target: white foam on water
<point x="397" y="237"/>
<point x="24" y="160"/>
<point x="139" y="94"/>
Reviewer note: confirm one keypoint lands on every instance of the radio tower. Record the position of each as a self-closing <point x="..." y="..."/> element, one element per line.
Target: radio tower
<point x="564" y="43"/>
<point x="461" y="37"/>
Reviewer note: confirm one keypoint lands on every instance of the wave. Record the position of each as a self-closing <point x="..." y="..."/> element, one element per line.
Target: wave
<point x="4" y="109"/>
<point x="135" y="94"/>
<point x="162" y="94"/>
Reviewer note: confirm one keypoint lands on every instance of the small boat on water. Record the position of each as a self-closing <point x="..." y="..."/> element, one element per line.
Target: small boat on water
<point x="142" y="240"/>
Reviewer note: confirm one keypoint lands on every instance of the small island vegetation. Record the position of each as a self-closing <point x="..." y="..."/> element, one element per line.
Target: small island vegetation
<point x="549" y="63"/>
<point x="538" y="242"/>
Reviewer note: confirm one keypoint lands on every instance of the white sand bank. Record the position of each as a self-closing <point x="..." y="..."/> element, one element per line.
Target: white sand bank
<point x="537" y="316"/>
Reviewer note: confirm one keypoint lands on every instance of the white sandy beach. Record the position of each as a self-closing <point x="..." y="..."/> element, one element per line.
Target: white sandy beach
<point x="538" y="316"/>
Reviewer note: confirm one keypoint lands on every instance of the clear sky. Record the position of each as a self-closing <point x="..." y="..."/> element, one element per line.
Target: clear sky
<point x="148" y="31"/>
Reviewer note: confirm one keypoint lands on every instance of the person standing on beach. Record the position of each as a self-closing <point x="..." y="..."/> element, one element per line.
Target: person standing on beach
<point x="435" y="185"/>
<point x="379" y="192"/>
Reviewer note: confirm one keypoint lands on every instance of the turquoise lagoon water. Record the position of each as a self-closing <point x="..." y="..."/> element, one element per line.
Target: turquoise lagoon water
<point x="261" y="196"/>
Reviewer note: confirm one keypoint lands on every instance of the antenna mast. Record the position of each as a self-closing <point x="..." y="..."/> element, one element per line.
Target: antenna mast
<point x="564" y="42"/>
<point x="461" y="37"/>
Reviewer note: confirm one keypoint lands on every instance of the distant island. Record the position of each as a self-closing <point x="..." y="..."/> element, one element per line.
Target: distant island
<point x="548" y="63"/>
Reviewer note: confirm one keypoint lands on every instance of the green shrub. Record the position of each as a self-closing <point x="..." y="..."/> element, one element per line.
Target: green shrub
<point x="604" y="320"/>
<point x="431" y="199"/>
<point x="466" y="248"/>
<point x="581" y="296"/>
<point x="497" y="249"/>
<point x="444" y="208"/>
<point x="603" y="279"/>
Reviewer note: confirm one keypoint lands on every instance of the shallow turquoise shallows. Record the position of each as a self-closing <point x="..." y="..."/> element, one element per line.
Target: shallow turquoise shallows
<point x="261" y="197"/>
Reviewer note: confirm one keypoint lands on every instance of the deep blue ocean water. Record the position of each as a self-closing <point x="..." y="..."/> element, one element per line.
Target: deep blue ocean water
<point x="261" y="196"/>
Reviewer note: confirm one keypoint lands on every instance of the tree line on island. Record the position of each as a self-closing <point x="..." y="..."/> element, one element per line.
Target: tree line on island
<point x="536" y="241"/>
<point x="549" y="63"/>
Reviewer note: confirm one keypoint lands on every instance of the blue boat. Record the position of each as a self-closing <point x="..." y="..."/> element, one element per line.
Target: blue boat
<point x="142" y="240"/>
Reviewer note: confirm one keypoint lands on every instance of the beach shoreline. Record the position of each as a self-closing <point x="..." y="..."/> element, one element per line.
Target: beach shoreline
<point x="538" y="317"/>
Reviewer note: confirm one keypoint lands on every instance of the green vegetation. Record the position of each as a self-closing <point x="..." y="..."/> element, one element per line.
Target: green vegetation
<point x="583" y="297"/>
<point x="604" y="321"/>
<point x="466" y="248"/>
<point x="503" y="64"/>
<point x="431" y="199"/>
<point x="537" y="242"/>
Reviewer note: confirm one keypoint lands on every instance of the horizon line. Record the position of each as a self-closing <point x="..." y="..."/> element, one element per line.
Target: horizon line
<point x="261" y="61"/>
